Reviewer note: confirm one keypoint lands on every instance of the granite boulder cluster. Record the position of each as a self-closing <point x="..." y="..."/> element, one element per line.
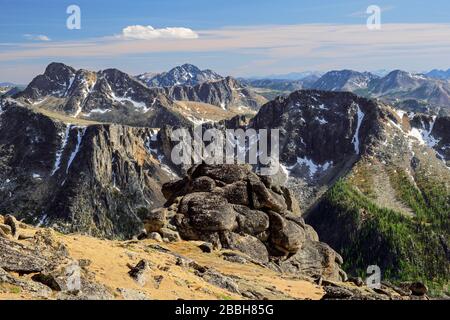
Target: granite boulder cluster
<point x="232" y="207"/>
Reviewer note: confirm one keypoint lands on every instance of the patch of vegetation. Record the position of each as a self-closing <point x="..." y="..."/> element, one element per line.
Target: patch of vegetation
<point x="15" y="290"/>
<point x="430" y="200"/>
<point x="362" y="93"/>
<point x="362" y="178"/>
<point x="406" y="249"/>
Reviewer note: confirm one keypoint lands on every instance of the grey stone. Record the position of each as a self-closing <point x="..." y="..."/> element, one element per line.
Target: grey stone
<point x="169" y="235"/>
<point x="155" y="236"/>
<point x="140" y="272"/>
<point x="206" y="247"/>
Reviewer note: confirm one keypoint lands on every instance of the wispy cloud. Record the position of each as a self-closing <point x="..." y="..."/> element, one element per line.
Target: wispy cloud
<point x="273" y="41"/>
<point x="266" y="49"/>
<point x="36" y="37"/>
<point x="363" y="13"/>
<point x="139" y="32"/>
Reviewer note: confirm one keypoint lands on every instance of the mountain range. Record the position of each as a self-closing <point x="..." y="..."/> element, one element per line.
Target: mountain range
<point x="439" y="74"/>
<point x="399" y="88"/>
<point x="114" y="96"/>
<point x="90" y="152"/>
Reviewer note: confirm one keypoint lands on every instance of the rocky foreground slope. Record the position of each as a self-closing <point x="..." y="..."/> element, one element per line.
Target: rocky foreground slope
<point x="43" y="264"/>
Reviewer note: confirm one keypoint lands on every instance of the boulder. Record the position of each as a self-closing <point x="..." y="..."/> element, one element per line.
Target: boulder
<point x="66" y="278"/>
<point x="36" y="289"/>
<point x="236" y="193"/>
<point x="219" y="280"/>
<point x="252" y="222"/>
<point x="19" y="258"/>
<point x="285" y="235"/>
<point x="315" y="259"/>
<point x="206" y="247"/>
<point x="264" y="198"/>
<point x="209" y="212"/>
<point x="155" y="220"/>
<point x="155" y="236"/>
<point x="227" y="173"/>
<point x="169" y="235"/>
<point x="139" y="272"/>
<point x="174" y="189"/>
<point x="245" y="243"/>
<point x="203" y="184"/>
<point x="418" y="289"/>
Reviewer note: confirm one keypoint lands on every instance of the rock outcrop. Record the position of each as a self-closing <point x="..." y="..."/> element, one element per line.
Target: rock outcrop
<point x="234" y="208"/>
<point x="45" y="268"/>
<point x="226" y="93"/>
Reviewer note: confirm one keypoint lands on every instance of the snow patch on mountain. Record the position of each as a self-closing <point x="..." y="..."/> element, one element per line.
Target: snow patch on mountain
<point x="141" y="106"/>
<point x="321" y="120"/>
<point x="65" y="137"/>
<point x="101" y="111"/>
<point x="80" y="134"/>
<point x="355" y="139"/>
<point x="423" y="135"/>
<point x="305" y="162"/>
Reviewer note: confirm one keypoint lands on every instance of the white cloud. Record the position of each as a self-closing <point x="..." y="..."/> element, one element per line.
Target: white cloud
<point x="139" y="32"/>
<point x="36" y="37"/>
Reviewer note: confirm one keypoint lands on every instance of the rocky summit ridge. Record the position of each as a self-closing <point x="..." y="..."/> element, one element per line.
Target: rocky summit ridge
<point x="231" y="207"/>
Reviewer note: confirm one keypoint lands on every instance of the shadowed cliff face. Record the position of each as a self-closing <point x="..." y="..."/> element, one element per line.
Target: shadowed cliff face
<point x="83" y="178"/>
<point x="321" y="126"/>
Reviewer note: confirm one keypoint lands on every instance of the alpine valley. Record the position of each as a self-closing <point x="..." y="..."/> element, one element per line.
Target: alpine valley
<point x="86" y="177"/>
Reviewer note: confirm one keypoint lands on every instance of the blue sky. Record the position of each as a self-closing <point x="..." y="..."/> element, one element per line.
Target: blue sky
<point x="241" y="38"/>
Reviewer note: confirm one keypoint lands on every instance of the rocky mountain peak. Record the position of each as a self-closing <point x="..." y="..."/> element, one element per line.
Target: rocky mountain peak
<point x="106" y="96"/>
<point x="439" y="74"/>
<point x="56" y="80"/>
<point x="320" y="129"/>
<point x="59" y="69"/>
<point x="186" y="74"/>
<point x="398" y="80"/>
<point x="226" y="93"/>
<point x="343" y="80"/>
